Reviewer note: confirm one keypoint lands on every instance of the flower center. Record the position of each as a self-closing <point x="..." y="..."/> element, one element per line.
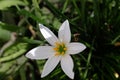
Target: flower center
<point x="60" y="48"/>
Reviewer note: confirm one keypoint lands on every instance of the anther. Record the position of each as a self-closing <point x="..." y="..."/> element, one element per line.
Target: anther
<point x="63" y="53"/>
<point x="65" y="49"/>
<point x="56" y="49"/>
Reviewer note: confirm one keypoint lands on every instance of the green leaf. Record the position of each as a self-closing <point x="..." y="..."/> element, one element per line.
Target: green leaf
<point x="28" y="14"/>
<point x="8" y="3"/>
<point x="9" y="27"/>
<point x="30" y="41"/>
<point x="6" y="34"/>
<point x="13" y="56"/>
<point x="5" y="69"/>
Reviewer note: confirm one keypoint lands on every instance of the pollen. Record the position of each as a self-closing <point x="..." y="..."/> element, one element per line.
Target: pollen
<point x="65" y="49"/>
<point x="55" y="49"/>
<point x="60" y="49"/>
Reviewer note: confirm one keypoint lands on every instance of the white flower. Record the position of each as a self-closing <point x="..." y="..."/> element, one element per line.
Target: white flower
<point x="59" y="51"/>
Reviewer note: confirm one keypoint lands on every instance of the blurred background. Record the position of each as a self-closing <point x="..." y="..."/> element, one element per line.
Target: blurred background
<point x="96" y="23"/>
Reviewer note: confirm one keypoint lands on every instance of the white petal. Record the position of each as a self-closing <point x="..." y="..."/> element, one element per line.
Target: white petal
<point x="50" y="65"/>
<point x="74" y="48"/>
<point x="67" y="66"/>
<point x="41" y="52"/>
<point x="64" y="32"/>
<point x="48" y="34"/>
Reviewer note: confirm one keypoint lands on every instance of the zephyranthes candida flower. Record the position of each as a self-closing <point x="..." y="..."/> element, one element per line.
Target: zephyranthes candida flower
<point x="59" y="51"/>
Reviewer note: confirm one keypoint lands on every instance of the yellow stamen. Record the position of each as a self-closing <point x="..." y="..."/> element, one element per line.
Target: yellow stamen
<point x="56" y="49"/>
<point x="65" y="49"/>
<point x="59" y="48"/>
<point x="63" y="53"/>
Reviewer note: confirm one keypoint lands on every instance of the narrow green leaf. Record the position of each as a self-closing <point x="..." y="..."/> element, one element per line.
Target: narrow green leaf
<point x="28" y="14"/>
<point x="8" y="3"/>
<point x="13" y="56"/>
<point x="9" y="27"/>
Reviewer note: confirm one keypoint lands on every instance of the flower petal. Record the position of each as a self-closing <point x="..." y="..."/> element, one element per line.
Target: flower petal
<point x="74" y="48"/>
<point x="64" y="32"/>
<point x="41" y="52"/>
<point x="50" y="65"/>
<point x="48" y="34"/>
<point x="67" y="66"/>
